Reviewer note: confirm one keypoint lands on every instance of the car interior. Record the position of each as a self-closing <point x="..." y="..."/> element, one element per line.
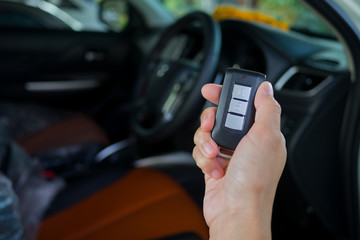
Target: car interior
<point x="111" y="114"/>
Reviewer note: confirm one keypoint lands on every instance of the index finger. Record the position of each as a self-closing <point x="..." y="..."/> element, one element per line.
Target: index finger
<point x="211" y="92"/>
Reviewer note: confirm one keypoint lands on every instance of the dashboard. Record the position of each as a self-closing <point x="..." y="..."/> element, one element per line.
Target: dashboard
<point x="273" y="51"/>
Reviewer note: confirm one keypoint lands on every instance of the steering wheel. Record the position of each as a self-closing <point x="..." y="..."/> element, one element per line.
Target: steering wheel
<point x="168" y="88"/>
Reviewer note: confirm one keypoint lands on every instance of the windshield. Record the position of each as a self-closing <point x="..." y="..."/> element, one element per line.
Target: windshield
<point x="285" y="14"/>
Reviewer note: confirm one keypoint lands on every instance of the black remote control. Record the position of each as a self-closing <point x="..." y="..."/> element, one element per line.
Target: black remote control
<point x="236" y="111"/>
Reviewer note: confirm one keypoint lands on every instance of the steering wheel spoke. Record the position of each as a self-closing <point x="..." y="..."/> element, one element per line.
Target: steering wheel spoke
<point x="176" y="98"/>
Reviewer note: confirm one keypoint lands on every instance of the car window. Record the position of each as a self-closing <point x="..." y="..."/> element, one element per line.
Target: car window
<point x="76" y="15"/>
<point x="287" y="14"/>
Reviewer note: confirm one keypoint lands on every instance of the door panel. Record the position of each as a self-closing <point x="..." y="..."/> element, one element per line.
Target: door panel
<point x="39" y="62"/>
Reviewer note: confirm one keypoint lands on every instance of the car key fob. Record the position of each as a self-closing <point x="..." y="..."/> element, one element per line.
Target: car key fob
<point x="236" y="111"/>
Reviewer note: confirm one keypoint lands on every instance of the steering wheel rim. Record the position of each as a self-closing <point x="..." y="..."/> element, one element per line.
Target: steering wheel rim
<point x="170" y="89"/>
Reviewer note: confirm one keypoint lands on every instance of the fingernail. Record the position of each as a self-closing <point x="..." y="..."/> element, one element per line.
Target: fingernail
<point x="268" y="89"/>
<point x="216" y="174"/>
<point x="208" y="148"/>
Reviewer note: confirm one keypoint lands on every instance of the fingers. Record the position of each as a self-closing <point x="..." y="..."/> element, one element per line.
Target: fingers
<point x="212" y="92"/>
<point x="202" y="137"/>
<point x="209" y="166"/>
<point x="265" y="132"/>
<point x="268" y="110"/>
<point x="208" y="119"/>
<point x="206" y="150"/>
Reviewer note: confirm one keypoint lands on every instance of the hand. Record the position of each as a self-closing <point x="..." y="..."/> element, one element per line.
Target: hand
<point x="240" y="193"/>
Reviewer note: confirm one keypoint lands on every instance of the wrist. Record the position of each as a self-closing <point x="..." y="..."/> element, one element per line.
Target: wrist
<point x="249" y="218"/>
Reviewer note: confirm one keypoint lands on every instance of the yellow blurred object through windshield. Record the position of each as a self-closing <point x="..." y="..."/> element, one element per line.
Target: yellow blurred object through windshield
<point x="231" y="12"/>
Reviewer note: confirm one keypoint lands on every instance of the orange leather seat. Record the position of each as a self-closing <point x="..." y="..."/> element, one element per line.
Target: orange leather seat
<point x="144" y="204"/>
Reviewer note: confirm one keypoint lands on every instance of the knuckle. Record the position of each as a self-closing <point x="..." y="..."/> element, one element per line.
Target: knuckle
<point x="266" y="136"/>
<point x="275" y="106"/>
<point x="201" y="162"/>
<point x="194" y="153"/>
<point x="196" y="136"/>
<point x="199" y="158"/>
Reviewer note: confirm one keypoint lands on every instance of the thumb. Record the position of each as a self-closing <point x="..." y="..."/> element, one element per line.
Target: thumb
<point x="268" y="110"/>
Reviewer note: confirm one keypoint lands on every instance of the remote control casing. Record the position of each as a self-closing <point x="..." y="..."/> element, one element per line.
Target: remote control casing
<point x="236" y="111"/>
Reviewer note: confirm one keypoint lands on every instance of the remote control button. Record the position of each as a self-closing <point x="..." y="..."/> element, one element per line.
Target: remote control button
<point x="237" y="106"/>
<point x="234" y="122"/>
<point x="241" y="92"/>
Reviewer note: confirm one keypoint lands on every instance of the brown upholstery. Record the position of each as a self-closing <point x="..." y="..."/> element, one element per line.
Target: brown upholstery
<point x="144" y="204"/>
<point x="73" y="130"/>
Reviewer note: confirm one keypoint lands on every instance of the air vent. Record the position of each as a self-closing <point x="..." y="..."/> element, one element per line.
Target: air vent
<point x="300" y="79"/>
<point x="327" y="62"/>
<point x="303" y="82"/>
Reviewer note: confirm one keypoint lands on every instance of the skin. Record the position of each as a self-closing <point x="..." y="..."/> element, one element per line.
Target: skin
<point x="240" y="192"/>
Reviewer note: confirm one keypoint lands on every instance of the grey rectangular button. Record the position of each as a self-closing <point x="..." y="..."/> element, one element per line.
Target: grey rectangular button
<point x="234" y="122"/>
<point x="241" y="92"/>
<point x="238" y="107"/>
